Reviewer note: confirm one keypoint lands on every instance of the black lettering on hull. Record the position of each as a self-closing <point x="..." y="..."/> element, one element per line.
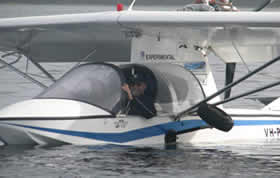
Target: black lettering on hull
<point x="272" y="132"/>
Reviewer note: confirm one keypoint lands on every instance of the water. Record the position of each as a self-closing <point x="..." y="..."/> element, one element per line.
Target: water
<point x="255" y="159"/>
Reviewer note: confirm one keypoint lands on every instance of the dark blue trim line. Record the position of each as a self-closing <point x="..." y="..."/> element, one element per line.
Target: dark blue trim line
<point x="147" y="132"/>
<point x="126" y="136"/>
<point x="255" y="122"/>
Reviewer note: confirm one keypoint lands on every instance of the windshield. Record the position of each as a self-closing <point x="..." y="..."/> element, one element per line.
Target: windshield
<point x="95" y="84"/>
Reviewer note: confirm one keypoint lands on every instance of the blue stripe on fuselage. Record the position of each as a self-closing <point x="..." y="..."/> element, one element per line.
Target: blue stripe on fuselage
<point x="126" y="136"/>
<point x="255" y="122"/>
<point x="148" y="131"/>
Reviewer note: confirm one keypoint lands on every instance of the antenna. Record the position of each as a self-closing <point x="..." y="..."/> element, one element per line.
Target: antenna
<point x="131" y="5"/>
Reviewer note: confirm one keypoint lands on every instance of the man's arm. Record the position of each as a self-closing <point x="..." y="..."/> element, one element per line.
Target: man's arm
<point x="126" y="88"/>
<point x="146" y="107"/>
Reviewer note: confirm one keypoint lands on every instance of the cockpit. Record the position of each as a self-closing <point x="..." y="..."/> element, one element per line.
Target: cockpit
<point x="173" y="87"/>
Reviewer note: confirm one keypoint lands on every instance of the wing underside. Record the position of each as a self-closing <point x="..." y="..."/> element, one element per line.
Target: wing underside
<point x="107" y="36"/>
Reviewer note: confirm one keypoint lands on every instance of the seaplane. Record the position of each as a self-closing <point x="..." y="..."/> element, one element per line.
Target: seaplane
<point x="169" y="49"/>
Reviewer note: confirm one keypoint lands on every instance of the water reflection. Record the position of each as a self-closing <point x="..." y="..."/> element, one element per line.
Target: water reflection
<point x="185" y="160"/>
<point x="111" y="160"/>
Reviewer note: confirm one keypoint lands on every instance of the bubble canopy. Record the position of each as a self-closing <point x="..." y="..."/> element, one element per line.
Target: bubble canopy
<point x="173" y="87"/>
<point x="97" y="84"/>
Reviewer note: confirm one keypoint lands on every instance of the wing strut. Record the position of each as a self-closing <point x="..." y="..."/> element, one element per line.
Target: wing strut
<point x="25" y="74"/>
<point x="263" y="5"/>
<point x="191" y="109"/>
<point x="248" y="93"/>
<point x="43" y="70"/>
<point x="230" y="70"/>
<point x="22" y="74"/>
<point x="215" y="116"/>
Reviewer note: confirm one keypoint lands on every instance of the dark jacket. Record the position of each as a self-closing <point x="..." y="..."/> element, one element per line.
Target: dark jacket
<point x="142" y="106"/>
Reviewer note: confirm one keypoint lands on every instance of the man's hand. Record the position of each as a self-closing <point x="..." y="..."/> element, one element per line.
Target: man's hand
<point x="126" y="88"/>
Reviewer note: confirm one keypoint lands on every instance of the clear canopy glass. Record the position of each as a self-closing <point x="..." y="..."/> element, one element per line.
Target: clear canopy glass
<point x="173" y="87"/>
<point x="178" y="88"/>
<point x="95" y="84"/>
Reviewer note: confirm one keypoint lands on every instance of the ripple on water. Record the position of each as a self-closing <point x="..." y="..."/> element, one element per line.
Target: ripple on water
<point x="103" y="161"/>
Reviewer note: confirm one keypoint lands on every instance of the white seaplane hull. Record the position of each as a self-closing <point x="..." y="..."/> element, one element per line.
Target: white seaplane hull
<point x="125" y="130"/>
<point x="247" y="128"/>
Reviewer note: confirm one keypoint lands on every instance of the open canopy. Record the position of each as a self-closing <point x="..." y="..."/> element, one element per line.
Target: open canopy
<point x="173" y="87"/>
<point x="95" y="84"/>
<point x="179" y="88"/>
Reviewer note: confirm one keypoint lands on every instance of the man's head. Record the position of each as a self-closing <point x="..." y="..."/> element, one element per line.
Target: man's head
<point x="226" y="1"/>
<point x="138" y="84"/>
<point x="201" y="1"/>
<point x="138" y="88"/>
<point x="212" y="2"/>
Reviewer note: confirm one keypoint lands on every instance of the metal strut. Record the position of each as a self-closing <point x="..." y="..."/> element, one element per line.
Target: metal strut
<point x="36" y="64"/>
<point x="231" y="85"/>
<point x="11" y="63"/>
<point x="43" y="70"/>
<point x="22" y="73"/>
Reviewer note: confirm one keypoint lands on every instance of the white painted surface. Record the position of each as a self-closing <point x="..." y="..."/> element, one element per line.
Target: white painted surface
<point x="50" y="108"/>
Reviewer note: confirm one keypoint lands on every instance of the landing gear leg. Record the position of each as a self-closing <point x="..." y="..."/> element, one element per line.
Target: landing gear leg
<point x="170" y="139"/>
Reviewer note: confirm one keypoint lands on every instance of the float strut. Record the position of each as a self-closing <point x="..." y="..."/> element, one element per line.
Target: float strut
<point x="230" y="70"/>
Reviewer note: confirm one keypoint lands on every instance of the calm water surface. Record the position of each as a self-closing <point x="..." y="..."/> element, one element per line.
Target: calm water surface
<point x="255" y="159"/>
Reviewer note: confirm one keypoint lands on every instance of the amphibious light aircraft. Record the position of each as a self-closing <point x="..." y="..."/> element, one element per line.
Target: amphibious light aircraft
<point x="167" y="48"/>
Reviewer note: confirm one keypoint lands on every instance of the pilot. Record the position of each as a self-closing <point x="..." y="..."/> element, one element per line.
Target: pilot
<point x="201" y="2"/>
<point x="198" y="5"/>
<point x="214" y="5"/>
<point x="226" y="5"/>
<point x="140" y="102"/>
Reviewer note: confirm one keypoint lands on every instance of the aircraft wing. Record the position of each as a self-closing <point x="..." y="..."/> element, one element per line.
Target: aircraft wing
<point x="234" y="36"/>
<point x="65" y="38"/>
